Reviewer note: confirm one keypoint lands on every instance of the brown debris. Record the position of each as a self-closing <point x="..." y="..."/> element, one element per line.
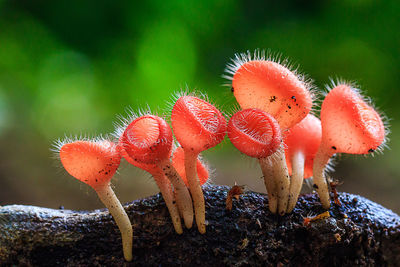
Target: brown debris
<point x="321" y="216"/>
<point x="333" y="185"/>
<point x="235" y="192"/>
<point x="338" y="237"/>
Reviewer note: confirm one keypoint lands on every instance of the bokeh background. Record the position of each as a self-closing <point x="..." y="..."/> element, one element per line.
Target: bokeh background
<point x="69" y="67"/>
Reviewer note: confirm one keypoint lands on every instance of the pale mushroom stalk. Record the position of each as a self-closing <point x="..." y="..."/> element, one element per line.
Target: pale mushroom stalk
<point x="166" y="191"/>
<point x="195" y="189"/>
<point x="302" y="142"/>
<point x="296" y="180"/>
<point x="183" y="199"/>
<point x="268" y="174"/>
<point x="110" y="200"/>
<point x="178" y="160"/>
<point x="282" y="180"/>
<point x="320" y="184"/>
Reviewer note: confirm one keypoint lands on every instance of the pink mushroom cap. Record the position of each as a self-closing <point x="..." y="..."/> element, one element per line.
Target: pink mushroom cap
<point x="255" y="133"/>
<point x="150" y="168"/>
<point x="92" y="162"/>
<point x="147" y="139"/>
<point x="304" y="137"/>
<point x="197" y="124"/>
<point x="349" y="124"/>
<point x="271" y="87"/>
<point x="178" y="160"/>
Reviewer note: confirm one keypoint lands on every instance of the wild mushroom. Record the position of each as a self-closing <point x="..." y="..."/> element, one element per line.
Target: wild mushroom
<point x="148" y="140"/>
<point x="178" y="160"/>
<point x="302" y="143"/>
<point x="197" y="126"/>
<point x="261" y="83"/>
<point x="94" y="162"/>
<point x="165" y="188"/>
<point x="162" y="182"/>
<point x="257" y="134"/>
<point x="349" y="125"/>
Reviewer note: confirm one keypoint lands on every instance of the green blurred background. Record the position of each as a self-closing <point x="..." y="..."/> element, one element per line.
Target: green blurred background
<point x="69" y="67"/>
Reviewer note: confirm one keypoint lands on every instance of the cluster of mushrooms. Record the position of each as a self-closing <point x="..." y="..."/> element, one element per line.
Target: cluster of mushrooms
<point x="274" y="126"/>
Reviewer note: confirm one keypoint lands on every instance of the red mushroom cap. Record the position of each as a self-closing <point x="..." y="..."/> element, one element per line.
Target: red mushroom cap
<point x="273" y="88"/>
<point x="349" y="124"/>
<point x="197" y="124"/>
<point x="147" y="139"/>
<point x="153" y="169"/>
<point x="92" y="162"/>
<point x="178" y="160"/>
<point x="254" y="132"/>
<point x="304" y="137"/>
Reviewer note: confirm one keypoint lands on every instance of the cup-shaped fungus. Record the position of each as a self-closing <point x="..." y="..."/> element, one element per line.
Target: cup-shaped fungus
<point x="197" y="126"/>
<point x="257" y="134"/>
<point x="262" y="83"/>
<point x="148" y="140"/>
<point x="95" y="163"/>
<point x="302" y="143"/>
<point x="163" y="184"/>
<point x="349" y="125"/>
<point x="178" y="160"/>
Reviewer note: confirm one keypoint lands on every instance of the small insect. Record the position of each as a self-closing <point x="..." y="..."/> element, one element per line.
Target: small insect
<point x="308" y="220"/>
<point x="235" y="191"/>
<point x="272" y="99"/>
<point x="333" y="185"/>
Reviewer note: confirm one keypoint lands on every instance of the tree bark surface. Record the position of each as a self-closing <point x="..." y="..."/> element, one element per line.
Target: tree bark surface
<point x="360" y="232"/>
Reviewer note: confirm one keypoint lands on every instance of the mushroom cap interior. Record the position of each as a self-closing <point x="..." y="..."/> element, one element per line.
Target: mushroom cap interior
<point x="255" y="133"/>
<point x="197" y="124"/>
<point x="148" y="139"/>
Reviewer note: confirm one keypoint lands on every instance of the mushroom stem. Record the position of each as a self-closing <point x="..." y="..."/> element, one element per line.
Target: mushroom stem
<point x="282" y="180"/>
<point x="183" y="199"/>
<point x="321" y="159"/>
<point x="110" y="200"/>
<point x="195" y="190"/>
<point x="166" y="190"/>
<point x="296" y="180"/>
<point x="270" y="185"/>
